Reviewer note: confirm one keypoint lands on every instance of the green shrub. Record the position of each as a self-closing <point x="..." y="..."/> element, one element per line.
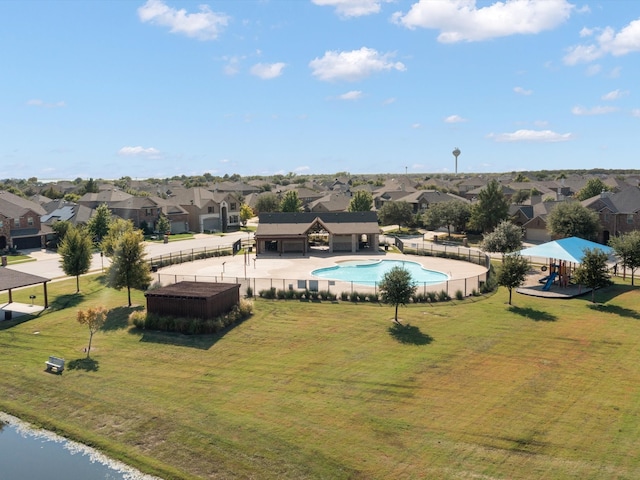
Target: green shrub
<point x="281" y="294"/>
<point x="432" y="297"/>
<point x="269" y="293"/>
<point x="138" y="319"/>
<point x="249" y="292"/>
<point x="344" y="296"/>
<point x="374" y="297"/>
<point x="443" y="296"/>
<point x="459" y="295"/>
<point x="354" y="297"/>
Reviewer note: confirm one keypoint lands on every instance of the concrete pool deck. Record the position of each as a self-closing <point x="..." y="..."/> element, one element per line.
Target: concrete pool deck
<point x="290" y="268"/>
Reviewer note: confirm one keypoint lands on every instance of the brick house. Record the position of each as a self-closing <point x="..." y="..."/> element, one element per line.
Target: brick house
<point x="20" y="225"/>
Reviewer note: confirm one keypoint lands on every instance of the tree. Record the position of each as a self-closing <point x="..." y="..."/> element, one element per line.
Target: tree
<point x="490" y="209"/>
<point x="267" y="202"/>
<point x="593" y="187"/>
<point x="362" y="201"/>
<point x="163" y="225"/>
<point x="513" y="272"/>
<point x="117" y="228"/>
<point x="128" y="267"/>
<point x="290" y="202"/>
<point x="447" y="214"/>
<point x="506" y="238"/>
<point x="246" y="213"/>
<point x="627" y="248"/>
<point x="572" y="219"/>
<point x="520" y="197"/>
<point x="75" y="253"/>
<point x="91" y="186"/>
<point x="396" y="288"/>
<point x="60" y="228"/>
<point x="396" y="213"/>
<point x="98" y="224"/>
<point x="592" y="272"/>
<point x="94" y="318"/>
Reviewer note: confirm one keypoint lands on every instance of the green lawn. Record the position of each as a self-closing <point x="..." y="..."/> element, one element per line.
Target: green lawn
<point x="473" y="389"/>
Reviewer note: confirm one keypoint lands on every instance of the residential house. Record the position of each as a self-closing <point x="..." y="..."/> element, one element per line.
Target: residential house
<point x="333" y="202"/>
<point x="422" y="199"/>
<point x="20" y="225"/>
<point x="619" y="212"/>
<point x="208" y="211"/>
<point x="145" y="212"/>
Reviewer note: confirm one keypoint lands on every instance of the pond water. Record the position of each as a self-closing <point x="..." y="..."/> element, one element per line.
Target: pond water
<point x="370" y="272"/>
<point x="27" y="453"/>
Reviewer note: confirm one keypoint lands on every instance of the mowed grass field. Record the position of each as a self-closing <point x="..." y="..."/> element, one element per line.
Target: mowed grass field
<point x="544" y="389"/>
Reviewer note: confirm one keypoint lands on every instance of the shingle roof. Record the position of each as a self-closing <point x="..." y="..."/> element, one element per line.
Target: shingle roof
<point x="10" y="279"/>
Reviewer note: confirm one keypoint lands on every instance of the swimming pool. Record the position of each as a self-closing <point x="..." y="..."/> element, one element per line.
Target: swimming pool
<point x="370" y="272"/>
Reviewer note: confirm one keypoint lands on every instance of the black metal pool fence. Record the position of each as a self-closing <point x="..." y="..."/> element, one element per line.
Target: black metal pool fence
<point x="453" y="287"/>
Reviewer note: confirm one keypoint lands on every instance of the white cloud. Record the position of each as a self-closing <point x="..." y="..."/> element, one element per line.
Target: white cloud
<point x="139" y="152"/>
<point x="36" y="102"/>
<point x="205" y="25"/>
<point x="352" y="8"/>
<point x="539" y="136"/>
<point x="522" y="91"/>
<point x="541" y="123"/>
<point x="267" y="71"/>
<point x="594" y="69"/>
<point x="389" y="101"/>
<point x="352" y="66"/>
<point x="615" y="95"/>
<point x="455" y="119"/>
<point x="352" y="95"/>
<point x="416" y="125"/>
<point x="462" y="20"/>
<point x="598" y="110"/>
<point x="302" y="168"/>
<point x="635" y="112"/>
<point x="607" y="42"/>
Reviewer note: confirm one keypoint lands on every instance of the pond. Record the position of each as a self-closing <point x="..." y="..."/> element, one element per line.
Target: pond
<point x="40" y="455"/>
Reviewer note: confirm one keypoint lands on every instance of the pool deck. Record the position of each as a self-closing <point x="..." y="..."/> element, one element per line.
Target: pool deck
<point x="298" y="266"/>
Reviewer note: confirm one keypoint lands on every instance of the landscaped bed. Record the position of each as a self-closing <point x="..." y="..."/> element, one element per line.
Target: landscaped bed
<point x="464" y="389"/>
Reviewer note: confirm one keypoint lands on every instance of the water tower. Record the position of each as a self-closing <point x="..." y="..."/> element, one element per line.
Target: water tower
<point x="456" y="153"/>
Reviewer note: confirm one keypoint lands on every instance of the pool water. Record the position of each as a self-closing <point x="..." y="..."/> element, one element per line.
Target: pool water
<point x="370" y="272"/>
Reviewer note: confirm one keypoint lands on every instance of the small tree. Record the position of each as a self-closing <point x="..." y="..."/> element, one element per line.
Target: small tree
<point x="94" y="318"/>
<point x="129" y="268"/>
<point x="267" y="202"/>
<point x="506" y="238"/>
<point x="117" y="228"/>
<point x="246" y="213"/>
<point x="163" y="225"/>
<point x="593" y="187"/>
<point x="447" y="214"/>
<point x="593" y="272"/>
<point x="490" y="209"/>
<point x="98" y="224"/>
<point x="396" y="288"/>
<point x="60" y="228"/>
<point x="572" y="219"/>
<point x="627" y="248"/>
<point x="290" y="202"/>
<point x="513" y="272"/>
<point x="75" y="253"/>
<point x="362" y="201"/>
<point x="396" y="213"/>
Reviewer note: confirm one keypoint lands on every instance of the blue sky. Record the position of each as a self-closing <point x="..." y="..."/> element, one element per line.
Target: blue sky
<point x="157" y="88"/>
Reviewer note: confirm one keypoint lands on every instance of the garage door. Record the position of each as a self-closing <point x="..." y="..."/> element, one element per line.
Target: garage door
<point x="26" y="243"/>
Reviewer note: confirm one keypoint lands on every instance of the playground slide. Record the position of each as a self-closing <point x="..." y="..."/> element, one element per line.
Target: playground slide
<point x="547" y="285"/>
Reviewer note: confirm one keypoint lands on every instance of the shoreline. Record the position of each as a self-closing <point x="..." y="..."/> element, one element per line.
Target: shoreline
<point x="27" y="429"/>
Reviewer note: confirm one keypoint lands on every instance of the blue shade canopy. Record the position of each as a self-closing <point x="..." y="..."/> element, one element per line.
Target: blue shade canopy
<point x="569" y="249"/>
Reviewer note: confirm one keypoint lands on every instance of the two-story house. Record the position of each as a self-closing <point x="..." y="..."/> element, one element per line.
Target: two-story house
<point x="20" y="226"/>
<point x="208" y="211"/>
